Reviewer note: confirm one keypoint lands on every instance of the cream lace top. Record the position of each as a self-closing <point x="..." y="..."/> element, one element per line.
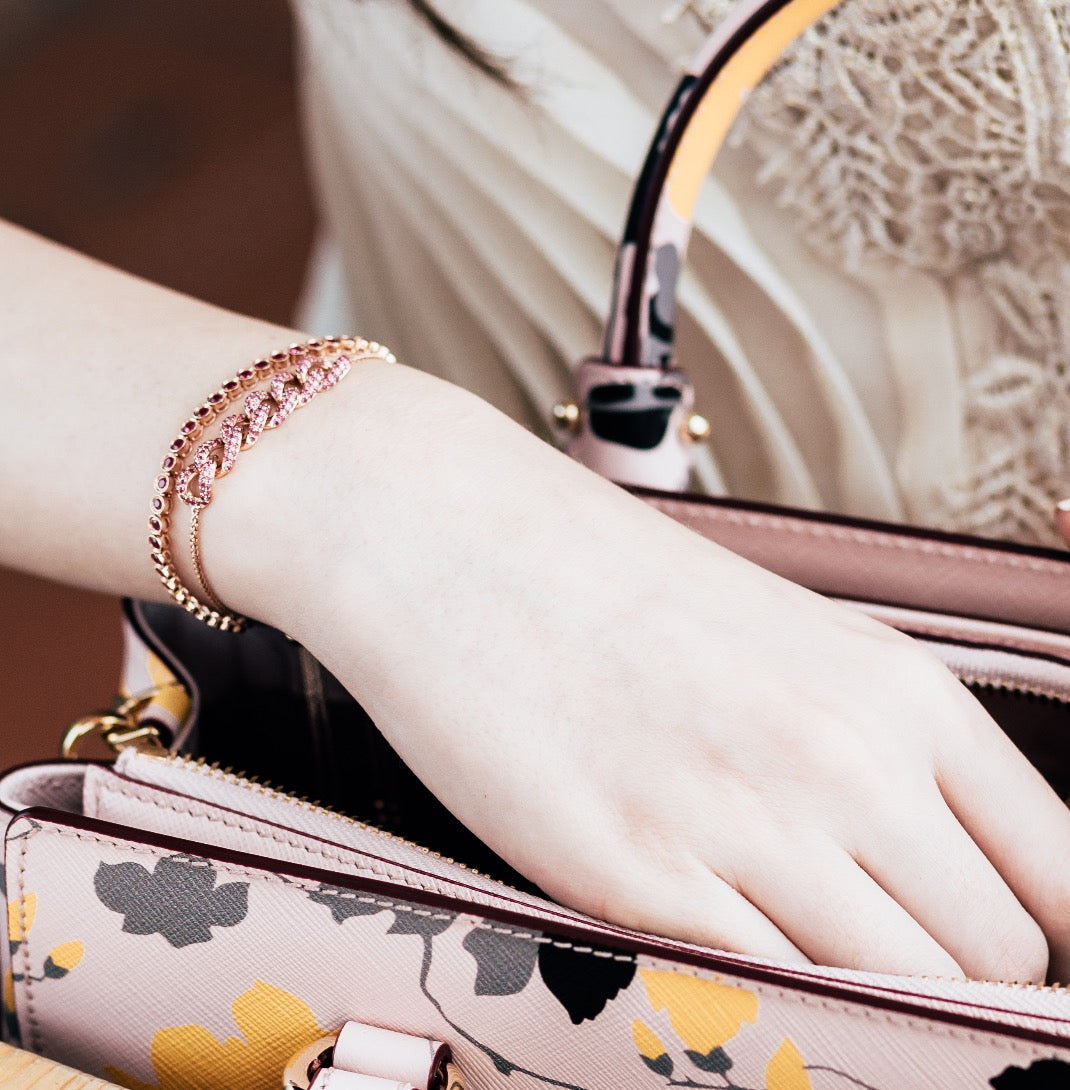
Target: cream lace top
<point x="877" y="307"/>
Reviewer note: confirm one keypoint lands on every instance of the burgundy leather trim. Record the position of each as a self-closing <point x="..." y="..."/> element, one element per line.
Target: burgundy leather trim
<point x="896" y="1002"/>
<point x="504" y="895"/>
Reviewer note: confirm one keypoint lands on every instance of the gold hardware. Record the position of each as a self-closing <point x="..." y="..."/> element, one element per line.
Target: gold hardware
<point x="698" y="427"/>
<point x="452" y="1079"/>
<point x="567" y="415"/>
<point x="118" y="728"/>
<point x="304" y="1067"/>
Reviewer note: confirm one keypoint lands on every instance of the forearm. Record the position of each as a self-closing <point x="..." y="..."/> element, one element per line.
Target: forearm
<point x="100" y="369"/>
<point x="645" y="725"/>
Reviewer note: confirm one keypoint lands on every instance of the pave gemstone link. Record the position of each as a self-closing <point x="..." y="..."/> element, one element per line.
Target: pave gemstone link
<point x="295" y="376"/>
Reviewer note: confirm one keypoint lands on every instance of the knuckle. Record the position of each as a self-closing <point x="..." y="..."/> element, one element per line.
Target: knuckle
<point x="934" y="705"/>
<point x="918" y="672"/>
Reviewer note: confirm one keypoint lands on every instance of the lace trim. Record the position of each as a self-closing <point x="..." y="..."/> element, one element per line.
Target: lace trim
<point x="935" y="136"/>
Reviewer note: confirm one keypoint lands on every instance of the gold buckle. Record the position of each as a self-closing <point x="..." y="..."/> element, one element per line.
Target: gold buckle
<point x="119" y="727"/>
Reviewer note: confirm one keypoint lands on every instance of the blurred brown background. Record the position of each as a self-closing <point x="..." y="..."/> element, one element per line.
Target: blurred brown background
<point x="161" y="138"/>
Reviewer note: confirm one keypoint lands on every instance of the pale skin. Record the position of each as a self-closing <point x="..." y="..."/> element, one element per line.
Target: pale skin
<point x="652" y="729"/>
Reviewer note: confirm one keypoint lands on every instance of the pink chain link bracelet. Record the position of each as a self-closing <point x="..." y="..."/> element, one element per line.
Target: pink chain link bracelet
<point x="295" y="377"/>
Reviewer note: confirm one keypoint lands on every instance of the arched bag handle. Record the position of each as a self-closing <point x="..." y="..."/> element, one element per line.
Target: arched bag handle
<point x="633" y="404"/>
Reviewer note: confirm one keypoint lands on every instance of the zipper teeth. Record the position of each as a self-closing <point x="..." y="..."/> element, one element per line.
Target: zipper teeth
<point x="980" y="682"/>
<point x="1015" y="985"/>
<point x="263" y="787"/>
<point x="239" y="779"/>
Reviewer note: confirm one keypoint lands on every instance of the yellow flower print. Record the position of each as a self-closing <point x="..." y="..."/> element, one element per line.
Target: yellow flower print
<point x="20" y="916"/>
<point x="274" y="1025"/>
<point x="704" y="1013"/>
<point x="786" y="1070"/>
<point x="653" y="1052"/>
<point x="63" y="959"/>
<point x="57" y="964"/>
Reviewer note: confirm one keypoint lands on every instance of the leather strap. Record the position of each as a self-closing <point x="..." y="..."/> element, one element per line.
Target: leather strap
<point x="732" y="61"/>
<point x="633" y="419"/>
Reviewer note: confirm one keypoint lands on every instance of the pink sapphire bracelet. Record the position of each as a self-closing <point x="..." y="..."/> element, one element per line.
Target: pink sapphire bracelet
<point x="294" y="378"/>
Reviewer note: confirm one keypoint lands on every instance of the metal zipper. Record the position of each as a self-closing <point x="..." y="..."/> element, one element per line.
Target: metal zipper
<point x="978" y="682"/>
<point x="202" y="767"/>
<point x="241" y="779"/>
<point x="264" y="787"/>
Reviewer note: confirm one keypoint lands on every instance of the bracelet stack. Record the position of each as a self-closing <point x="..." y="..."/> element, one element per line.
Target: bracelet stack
<point x="293" y="377"/>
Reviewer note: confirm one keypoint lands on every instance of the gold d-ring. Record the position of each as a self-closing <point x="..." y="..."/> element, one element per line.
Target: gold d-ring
<point x="119" y="727"/>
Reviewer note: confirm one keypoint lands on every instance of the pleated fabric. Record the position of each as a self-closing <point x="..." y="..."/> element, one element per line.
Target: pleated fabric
<point x="473" y="229"/>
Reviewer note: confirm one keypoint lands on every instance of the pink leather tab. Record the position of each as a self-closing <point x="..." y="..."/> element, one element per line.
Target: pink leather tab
<point x="664" y="399"/>
<point x="390" y="1056"/>
<point x="878" y="562"/>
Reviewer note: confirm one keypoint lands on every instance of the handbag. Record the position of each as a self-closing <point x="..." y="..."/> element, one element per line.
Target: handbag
<point x="172" y="924"/>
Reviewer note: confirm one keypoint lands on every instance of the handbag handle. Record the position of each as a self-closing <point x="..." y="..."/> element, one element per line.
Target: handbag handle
<point x="632" y="421"/>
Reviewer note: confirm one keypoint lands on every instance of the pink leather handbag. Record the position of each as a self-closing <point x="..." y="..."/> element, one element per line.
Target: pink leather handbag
<point x="173" y="925"/>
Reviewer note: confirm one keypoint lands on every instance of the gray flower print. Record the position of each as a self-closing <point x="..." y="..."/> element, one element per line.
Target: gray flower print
<point x="505" y="963"/>
<point x="178" y="900"/>
<point x="343" y="903"/>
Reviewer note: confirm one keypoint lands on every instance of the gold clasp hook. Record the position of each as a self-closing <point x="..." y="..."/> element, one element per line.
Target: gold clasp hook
<point x="119" y="727"/>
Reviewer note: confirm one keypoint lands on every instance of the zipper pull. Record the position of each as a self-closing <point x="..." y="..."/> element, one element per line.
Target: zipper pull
<point x="362" y="1057"/>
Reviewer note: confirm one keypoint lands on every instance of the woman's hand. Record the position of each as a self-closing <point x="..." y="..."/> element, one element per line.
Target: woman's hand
<point x="650" y="728"/>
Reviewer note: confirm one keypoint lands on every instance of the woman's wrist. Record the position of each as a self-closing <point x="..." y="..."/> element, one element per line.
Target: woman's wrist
<point x="117" y="364"/>
<point x="230" y="421"/>
<point x="321" y="507"/>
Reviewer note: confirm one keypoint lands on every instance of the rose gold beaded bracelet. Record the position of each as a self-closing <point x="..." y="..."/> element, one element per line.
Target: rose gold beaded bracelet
<point x="295" y="377"/>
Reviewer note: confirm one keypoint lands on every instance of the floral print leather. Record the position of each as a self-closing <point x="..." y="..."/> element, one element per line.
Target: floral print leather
<point x="179" y="963"/>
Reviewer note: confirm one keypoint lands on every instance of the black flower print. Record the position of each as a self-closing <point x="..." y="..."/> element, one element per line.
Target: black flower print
<point x="345" y="904"/>
<point x="178" y="900"/>
<point x="1041" y="1075"/>
<point x="583" y="980"/>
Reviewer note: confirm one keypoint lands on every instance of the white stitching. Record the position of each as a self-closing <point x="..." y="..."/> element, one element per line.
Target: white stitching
<point x="35" y="1039"/>
<point x="129" y="792"/>
<point x="851" y="1008"/>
